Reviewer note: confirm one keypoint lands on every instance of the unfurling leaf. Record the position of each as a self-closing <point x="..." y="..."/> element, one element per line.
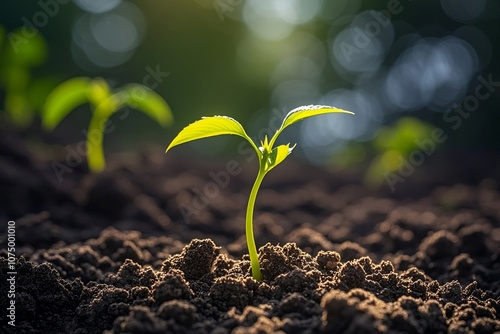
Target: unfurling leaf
<point x="264" y="146"/>
<point x="277" y="156"/>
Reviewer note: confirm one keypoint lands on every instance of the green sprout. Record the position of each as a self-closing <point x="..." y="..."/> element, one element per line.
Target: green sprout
<point x="104" y="103"/>
<point x="269" y="156"/>
<point x="392" y="144"/>
<point x="23" y="92"/>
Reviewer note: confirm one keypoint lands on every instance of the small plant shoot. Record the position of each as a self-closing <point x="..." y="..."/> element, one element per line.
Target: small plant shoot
<point x="22" y="92"/>
<point x="269" y="156"/>
<point x="104" y="103"/>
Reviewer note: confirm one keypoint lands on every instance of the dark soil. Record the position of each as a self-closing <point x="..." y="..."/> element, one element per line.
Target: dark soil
<point x="114" y="253"/>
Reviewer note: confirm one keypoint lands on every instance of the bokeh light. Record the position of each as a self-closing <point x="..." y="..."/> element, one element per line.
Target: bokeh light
<point x="296" y="11"/>
<point x="463" y="10"/>
<point x="107" y="39"/>
<point x="321" y="136"/>
<point x="431" y="73"/>
<point x="304" y="59"/>
<point x="97" y="6"/>
<point x="248" y="58"/>
<point x="276" y="19"/>
<point x="339" y="12"/>
<point x="263" y="20"/>
<point x="362" y="46"/>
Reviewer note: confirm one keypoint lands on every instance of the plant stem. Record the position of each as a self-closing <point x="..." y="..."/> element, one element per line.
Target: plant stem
<point x="252" y="249"/>
<point x="95" y="152"/>
<point x="97" y="127"/>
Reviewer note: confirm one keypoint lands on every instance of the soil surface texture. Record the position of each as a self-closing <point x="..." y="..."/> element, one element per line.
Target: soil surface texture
<point x="156" y="244"/>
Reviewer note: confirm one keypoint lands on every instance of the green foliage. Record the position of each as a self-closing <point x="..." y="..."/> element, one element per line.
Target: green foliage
<point x="18" y="55"/>
<point x="104" y="103"/>
<point x="391" y="143"/>
<point x="26" y="52"/>
<point x="142" y="98"/>
<point x="63" y="99"/>
<point x="210" y="127"/>
<point x="269" y="156"/>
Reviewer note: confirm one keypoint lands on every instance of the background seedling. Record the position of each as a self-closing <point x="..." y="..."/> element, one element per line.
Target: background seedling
<point x="392" y="144"/>
<point x="387" y="151"/>
<point x="74" y="92"/>
<point x="22" y="91"/>
<point x="269" y="156"/>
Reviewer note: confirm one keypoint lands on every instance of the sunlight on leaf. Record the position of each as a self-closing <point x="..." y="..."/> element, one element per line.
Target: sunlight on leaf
<point x="301" y="113"/>
<point x="210" y="127"/>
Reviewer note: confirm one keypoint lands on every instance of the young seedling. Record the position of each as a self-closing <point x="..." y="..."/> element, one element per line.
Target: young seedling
<point x="269" y="156"/>
<point x="74" y="92"/>
<point x="21" y="90"/>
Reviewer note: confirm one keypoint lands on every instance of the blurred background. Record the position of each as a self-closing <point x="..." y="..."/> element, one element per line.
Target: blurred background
<point x="405" y="68"/>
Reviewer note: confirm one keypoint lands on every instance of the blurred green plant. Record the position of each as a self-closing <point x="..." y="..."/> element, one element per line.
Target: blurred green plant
<point x="24" y="94"/>
<point x="387" y="151"/>
<point x="104" y="103"/>
<point x="269" y="156"/>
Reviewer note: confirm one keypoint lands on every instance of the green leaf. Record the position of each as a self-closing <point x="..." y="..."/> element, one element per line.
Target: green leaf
<point x="308" y="111"/>
<point x="26" y="52"/>
<point x="210" y="127"/>
<point x="148" y="101"/>
<point x="277" y="156"/>
<point x="63" y="99"/>
<point x="303" y="112"/>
